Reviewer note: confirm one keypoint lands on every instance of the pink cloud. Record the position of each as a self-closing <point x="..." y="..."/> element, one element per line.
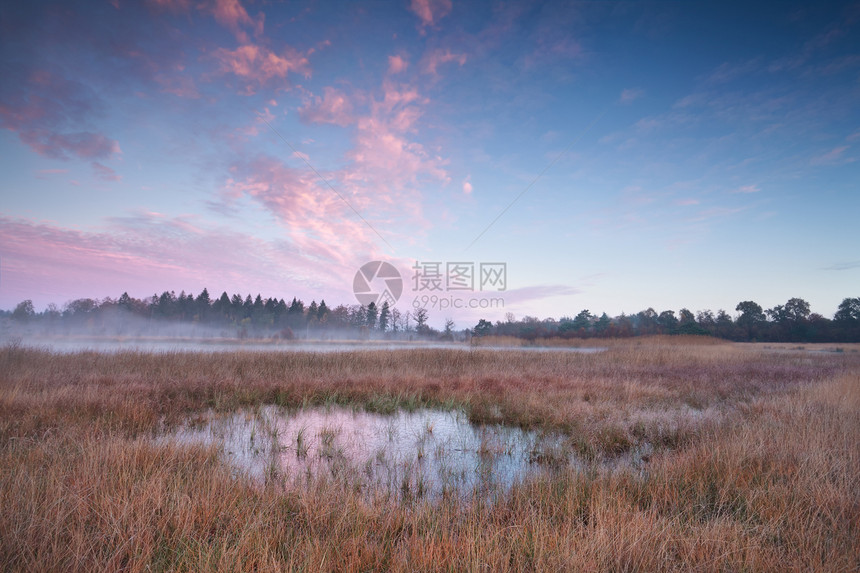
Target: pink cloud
<point x="334" y="107"/>
<point x="438" y="57"/>
<point x="232" y="15"/>
<point x="467" y="187"/>
<point x="747" y="189"/>
<point x="85" y="145"/>
<point x="259" y="65"/>
<point x="379" y="177"/>
<point x="179" y="84"/>
<point x="688" y="202"/>
<point x="104" y="172"/>
<point x="397" y="64"/>
<point x="41" y="109"/>
<point x="148" y="253"/>
<point x="314" y="217"/>
<point x="41" y="173"/>
<point x="430" y="11"/>
<point x="831" y="157"/>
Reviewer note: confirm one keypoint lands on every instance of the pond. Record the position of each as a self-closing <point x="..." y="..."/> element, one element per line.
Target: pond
<point x="424" y="453"/>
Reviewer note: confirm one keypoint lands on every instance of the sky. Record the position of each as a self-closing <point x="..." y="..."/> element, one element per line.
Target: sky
<point x="610" y="156"/>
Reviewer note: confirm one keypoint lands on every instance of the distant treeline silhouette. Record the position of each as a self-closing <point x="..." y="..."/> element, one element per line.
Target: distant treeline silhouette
<point x="789" y="322"/>
<point x="257" y="317"/>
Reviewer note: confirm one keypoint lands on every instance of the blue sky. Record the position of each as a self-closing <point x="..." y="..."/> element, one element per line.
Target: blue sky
<point x="649" y="154"/>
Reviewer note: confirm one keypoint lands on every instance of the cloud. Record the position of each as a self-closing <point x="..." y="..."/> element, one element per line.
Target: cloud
<point x="843" y="266"/>
<point x="259" y="65"/>
<point x="397" y="64"/>
<point x="43" y="108"/>
<point x="439" y="57"/>
<point x="314" y="217"/>
<point x="334" y="107"/>
<point x="105" y="173"/>
<point x="630" y="95"/>
<point x="747" y="189"/>
<point x="233" y="16"/>
<point x="84" y="145"/>
<point x="41" y="173"/>
<point x="832" y="157"/>
<point x="688" y="202"/>
<point x="430" y="11"/>
<point x="467" y="186"/>
<point x="538" y="292"/>
<point x="148" y="252"/>
<point x="179" y="83"/>
<point x="727" y="72"/>
<point x="380" y="176"/>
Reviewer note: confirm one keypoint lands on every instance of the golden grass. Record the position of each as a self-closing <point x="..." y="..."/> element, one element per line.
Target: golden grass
<point x="497" y="341"/>
<point x="756" y="466"/>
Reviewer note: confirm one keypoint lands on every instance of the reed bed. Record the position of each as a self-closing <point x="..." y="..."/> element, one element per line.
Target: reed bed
<point x="756" y="462"/>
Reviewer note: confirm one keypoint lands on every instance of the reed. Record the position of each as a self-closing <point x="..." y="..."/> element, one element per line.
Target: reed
<point x="756" y="462"/>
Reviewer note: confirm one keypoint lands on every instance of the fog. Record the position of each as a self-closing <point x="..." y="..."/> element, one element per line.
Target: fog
<point x="115" y="330"/>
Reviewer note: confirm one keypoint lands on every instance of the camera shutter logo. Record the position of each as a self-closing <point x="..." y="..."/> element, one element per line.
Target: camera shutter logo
<point x="377" y="282"/>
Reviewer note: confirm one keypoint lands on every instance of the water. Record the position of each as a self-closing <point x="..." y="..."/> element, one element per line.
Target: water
<point x="410" y="454"/>
<point x="115" y="344"/>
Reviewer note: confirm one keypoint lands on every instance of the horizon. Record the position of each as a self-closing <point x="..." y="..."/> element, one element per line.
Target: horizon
<point x="612" y="156"/>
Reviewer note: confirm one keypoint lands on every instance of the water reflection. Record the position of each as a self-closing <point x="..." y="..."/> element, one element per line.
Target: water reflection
<point x="409" y="454"/>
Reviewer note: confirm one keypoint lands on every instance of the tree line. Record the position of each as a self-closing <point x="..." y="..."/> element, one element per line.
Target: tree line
<point x="257" y="317"/>
<point x="234" y="315"/>
<point x="789" y="322"/>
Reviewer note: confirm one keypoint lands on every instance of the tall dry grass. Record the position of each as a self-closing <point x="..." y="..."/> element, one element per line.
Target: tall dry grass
<point x="757" y="465"/>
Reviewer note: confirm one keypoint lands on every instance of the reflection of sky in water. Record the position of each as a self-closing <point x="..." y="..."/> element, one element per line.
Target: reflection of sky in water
<point x="425" y="451"/>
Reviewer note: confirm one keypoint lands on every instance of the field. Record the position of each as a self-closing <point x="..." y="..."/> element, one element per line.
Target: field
<point x="753" y="463"/>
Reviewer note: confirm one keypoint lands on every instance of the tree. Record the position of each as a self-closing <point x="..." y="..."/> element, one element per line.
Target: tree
<point x="125" y="302"/>
<point x="82" y="306"/>
<point x="313" y="310"/>
<point x="222" y="306"/>
<point x="706" y="320"/>
<point x="848" y="311"/>
<point x="449" y="330"/>
<point x="483" y="328"/>
<point x="295" y="312"/>
<point x="602" y="325"/>
<point x="384" y="316"/>
<point x="166" y="307"/>
<point x="371" y="314"/>
<point x="667" y="321"/>
<point x="776" y="314"/>
<point x="648" y="321"/>
<point x="686" y="317"/>
<point x="202" y="303"/>
<point x="751" y="313"/>
<point x="582" y="322"/>
<point x="420" y="316"/>
<point x="24" y="311"/>
<point x="52" y="312"/>
<point x="797" y="309"/>
<point x="396" y="320"/>
<point x="322" y="311"/>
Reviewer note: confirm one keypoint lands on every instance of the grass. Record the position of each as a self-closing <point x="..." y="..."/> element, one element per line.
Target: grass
<point x="755" y="463"/>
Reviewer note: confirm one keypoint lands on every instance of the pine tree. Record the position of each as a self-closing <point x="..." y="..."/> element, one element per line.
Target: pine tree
<point x="384" y="316"/>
